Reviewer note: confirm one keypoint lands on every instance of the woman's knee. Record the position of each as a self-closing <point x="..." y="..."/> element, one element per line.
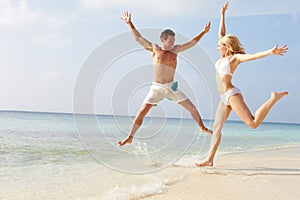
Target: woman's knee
<point x="217" y="129"/>
<point x="252" y="124"/>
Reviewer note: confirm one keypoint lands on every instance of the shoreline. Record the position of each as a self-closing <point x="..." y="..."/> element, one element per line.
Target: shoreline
<point x="262" y="174"/>
<point x="109" y="115"/>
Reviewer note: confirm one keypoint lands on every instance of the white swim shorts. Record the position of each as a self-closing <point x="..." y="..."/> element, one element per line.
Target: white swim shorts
<point x="160" y="91"/>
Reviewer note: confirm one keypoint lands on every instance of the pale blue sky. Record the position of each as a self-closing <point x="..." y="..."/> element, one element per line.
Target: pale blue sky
<point x="44" y="44"/>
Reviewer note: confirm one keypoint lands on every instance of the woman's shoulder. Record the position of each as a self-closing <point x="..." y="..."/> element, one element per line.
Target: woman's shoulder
<point x="235" y="58"/>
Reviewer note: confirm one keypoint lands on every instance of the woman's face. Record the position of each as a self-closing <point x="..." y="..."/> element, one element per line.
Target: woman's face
<point x="222" y="49"/>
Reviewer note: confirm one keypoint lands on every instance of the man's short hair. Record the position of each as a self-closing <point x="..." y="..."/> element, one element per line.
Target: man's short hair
<point x="164" y="35"/>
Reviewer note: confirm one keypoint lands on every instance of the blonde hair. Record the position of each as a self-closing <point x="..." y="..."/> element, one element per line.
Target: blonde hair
<point x="233" y="44"/>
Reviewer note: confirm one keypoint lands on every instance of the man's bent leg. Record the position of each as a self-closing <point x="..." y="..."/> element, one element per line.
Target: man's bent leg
<point x="136" y="123"/>
<point x="188" y="105"/>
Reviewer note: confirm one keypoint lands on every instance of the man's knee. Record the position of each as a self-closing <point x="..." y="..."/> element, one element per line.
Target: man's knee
<point x="142" y="113"/>
<point x="138" y="121"/>
<point x="191" y="108"/>
<point x="145" y="109"/>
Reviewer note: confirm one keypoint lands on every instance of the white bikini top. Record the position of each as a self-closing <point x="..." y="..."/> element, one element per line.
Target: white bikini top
<point x="224" y="67"/>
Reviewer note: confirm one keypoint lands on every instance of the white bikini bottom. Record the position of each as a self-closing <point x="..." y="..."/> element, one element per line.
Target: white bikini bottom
<point x="225" y="97"/>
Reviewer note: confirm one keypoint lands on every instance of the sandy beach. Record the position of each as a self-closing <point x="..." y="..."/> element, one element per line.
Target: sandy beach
<point x="46" y="160"/>
<point x="268" y="174"/>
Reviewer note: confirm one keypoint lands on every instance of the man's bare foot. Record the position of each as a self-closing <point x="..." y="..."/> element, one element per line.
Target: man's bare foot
<point x="205" y="164"/>
<point x="127" y="140"/>
<point x="206" y="130"/>
<point x="278" y="95"/>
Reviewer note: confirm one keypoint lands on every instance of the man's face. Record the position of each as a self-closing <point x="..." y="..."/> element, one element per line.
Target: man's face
<point x="169" y="42"/>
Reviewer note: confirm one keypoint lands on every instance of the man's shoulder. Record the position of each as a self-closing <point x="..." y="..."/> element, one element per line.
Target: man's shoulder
<point x="156" y="47"/>
<point x="176" y="48"/>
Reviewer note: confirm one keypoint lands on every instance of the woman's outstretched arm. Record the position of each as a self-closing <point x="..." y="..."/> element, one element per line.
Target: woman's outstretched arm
<point x="222" y="28"/>
<point x="275" y="51"/>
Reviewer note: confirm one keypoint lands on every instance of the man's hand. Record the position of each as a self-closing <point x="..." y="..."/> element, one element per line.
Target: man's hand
<point x="207" y="27"/>
<point x="126" y="17"/>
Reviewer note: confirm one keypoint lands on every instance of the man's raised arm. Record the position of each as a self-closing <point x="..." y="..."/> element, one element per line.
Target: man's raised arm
<point x="126" y="17"/>
<point x="195" y="40"/>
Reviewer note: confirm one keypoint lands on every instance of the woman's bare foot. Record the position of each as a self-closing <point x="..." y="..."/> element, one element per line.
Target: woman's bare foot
<point x="278" y="95"/>
<point x="127" y="140"/>
<point x="205" y="164"/>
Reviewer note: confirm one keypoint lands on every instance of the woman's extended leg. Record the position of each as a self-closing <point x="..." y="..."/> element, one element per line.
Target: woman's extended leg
<point x="240" y="108"/>
<point x="222" y="114"/>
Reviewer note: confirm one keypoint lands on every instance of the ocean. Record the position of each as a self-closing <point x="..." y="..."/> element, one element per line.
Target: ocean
<point x="66" y="156"/>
